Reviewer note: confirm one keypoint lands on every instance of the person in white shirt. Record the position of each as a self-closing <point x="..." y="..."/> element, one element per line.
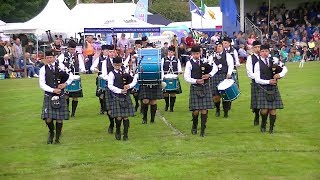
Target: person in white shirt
<point x="121" y="106"/>
<point x="74" y="64"/>
<point x="171" y="65"/>
<point x="198" y="75"/>
<point x="53" y="81"/>
<point x="267" y="72"/>
<point x="224" y="62"/>
<point x="234" y="53"/>
<point x="251" y="61"/>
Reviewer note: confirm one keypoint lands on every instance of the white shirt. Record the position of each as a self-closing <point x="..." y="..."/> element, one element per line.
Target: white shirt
<point x="188" y="68"/>
<point x="104" y="69"/>
<point x="116" y="89"/>
<point x="235" y="55"/>
<point x="257" y="72"/>
<point x="80" y="59"/>
<point x="96" y="63"/>
<point x="249" y="66"/>
<point x="42" y="78"/>
<point x="179" y="64"/>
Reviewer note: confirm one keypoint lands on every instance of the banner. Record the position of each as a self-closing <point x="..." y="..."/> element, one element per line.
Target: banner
<point x="142" y="10"/>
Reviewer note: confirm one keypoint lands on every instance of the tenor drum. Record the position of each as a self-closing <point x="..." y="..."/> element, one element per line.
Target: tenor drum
<point x="171" y="81"/>
<point x="102" y="84"/>
<point x="149" y="67"/>
<point x="228" y="89"/>
<point x="75" y="84"/>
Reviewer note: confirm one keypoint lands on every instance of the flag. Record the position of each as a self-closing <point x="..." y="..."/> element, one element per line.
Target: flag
<point x="203" y="8"/>
<point x="142" y="10"/>
<point x="229" y="9"/>
<point x="194" y="8"/>
<point x="205" y="11"/>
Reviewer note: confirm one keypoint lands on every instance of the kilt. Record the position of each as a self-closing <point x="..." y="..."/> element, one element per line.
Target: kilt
<point x="215" y="81"/>
<point x="178" y="91"/>
<point x="98" y="90"/>
<point x="262" y="102"/>
<point x="108" y="99"/>
<point x="254" y="95"/>
<point x="121" y="105"/>
<point x="199" y="99"/>
<point x="56" y="114"/>
<point x="150" y="92"/>
<point x="75" y="94"/>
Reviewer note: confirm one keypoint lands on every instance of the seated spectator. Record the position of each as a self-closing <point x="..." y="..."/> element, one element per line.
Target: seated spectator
<point x="30" y="65"/>
<point x="30" y="48"/>
<point x="242" y="54"/>
<point x="6" y="66"/>
<point x="283" y="54"/>
<point x="251" y="39"/>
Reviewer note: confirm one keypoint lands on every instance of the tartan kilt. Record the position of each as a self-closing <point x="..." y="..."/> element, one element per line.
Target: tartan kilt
<point x="262" y="102"/>
<point x="155" y="92"/>
<point x="118" y="110"/>
<point x="75" y="94"/>
<point x="204" y="101"/>
<point x="215" y="81"/>
<point x="254" y="95"/>
<point x="56" y="114"/>
<point x="178" y="91"/>
<point x="108" y="99"/>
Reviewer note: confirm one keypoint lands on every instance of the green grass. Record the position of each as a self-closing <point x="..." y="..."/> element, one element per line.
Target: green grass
<point x="232" y="149"/>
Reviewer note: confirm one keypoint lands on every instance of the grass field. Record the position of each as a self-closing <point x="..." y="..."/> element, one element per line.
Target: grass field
<point x="232" y="149"/>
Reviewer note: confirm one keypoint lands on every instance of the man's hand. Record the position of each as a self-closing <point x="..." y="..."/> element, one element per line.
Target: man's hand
<point x="126" y="87"/>
<point x="276" y="76"/>
<point x="228" y="76"/>
<point x="206" y="76"/>
<point x="123" y="91"/>
<point x="57" y="91"/>
<point x="62" y="86"/>
<point x="200" y="81"/>
<point x="273" y="81"/>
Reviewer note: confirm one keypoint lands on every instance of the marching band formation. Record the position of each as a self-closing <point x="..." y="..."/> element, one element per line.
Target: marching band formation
<point x="213" y="78"/>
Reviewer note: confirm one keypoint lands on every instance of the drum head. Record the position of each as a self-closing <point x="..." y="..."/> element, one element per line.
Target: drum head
<point x="76" y="77"/>
<point x="225" y="84"/>
<point x="170" y="76"/>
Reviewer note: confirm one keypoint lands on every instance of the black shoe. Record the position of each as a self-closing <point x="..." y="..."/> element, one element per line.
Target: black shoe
<point x="144" y="121"/>
<point x="118" y="135"/>
<point x="50" y="138"/>
<point x="271" y="130"/>
<point x="136" y="107"/>
<point x="225" y="115"/>
<point x="166" y="108"/>
<point x="57" y="141"/>
<point x="171" y="109"/>
<point x="125" y="137"/>
<point x="194" y="131"/>
<point x="202" y="134"/>
<point x="152" y="121"/>
<point x="256" y="123"/>
<point x="217" y="113"/>
<point x="262" y="129"/>
<point x="110" y="130"/>
<point x="72" y="115"/>
<point x="101" y="111"/>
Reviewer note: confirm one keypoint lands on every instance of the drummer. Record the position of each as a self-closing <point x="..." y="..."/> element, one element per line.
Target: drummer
<point x="224" y="63"/>
<point x="200" y="100"/>
<point x="74" y="64"/>
<point x="234" y="53"/>
<point x="171" y="65"/>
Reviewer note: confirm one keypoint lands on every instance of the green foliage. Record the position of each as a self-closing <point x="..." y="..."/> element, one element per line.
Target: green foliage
<point x="232" y="149"/>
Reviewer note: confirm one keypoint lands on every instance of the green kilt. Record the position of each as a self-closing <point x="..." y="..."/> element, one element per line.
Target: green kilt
<point x="121" y="105"/>
<point x="56" y="114"/>
<point x="199" y="98"/>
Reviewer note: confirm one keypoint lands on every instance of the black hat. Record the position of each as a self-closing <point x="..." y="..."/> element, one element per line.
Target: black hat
<point x="144" y="38"/>
<point x="196" y="48"/>
<point x="117" y="60"/>
<point x="218" y="42"/>
<point x="72" y="44"/>
<point x="149" y="45"/>
<point x="227" y="39"/>
<point x="262" y="47"/>
<point x="138" y="42"/>
<point x="171" y="48"/>
<point x="50" y="53"/>
<point x="104" y="47"/>
<point x="111" y="47"/>
<point x="256" y="43"/>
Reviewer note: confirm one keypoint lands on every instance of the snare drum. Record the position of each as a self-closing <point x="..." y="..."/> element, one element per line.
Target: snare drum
<point x="171" y="81"/>
<point x="75" y="84"/>
<point x="228" y="89"/>
<point x="149" y="67"/>
<point x="102" y="83"/>
<point x="234" y="76"/>
<point x="2" y="76"/>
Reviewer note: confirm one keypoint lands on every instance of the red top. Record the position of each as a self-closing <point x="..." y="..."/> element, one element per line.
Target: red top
<point x="189" y="42"/>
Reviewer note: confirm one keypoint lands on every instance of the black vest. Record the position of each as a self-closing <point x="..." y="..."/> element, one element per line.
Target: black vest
<point x="223" y="62"/>
<point x="118" y="81"/>
<point x="67" y="62"/>
<point x="101" y="59"/>
<point x="166" y="65"/>
<point x="265" y="71"/>
<point x="196" y="70"/>
<point x="254" y="60"/>
<point x="109" y="65"/>
<point x="51" y="76"/>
